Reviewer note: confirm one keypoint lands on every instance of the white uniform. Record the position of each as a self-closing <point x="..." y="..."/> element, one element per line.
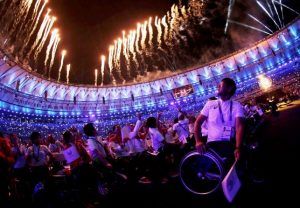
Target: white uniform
<point x="156" y="138"/>
<point x="135" y="144"/>
<point x="215" y="126"/>
<point x="182" y="130"/>
<point x="38" y="155"/>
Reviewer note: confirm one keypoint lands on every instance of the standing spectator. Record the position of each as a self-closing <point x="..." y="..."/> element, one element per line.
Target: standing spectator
<point x="6" y="160"/>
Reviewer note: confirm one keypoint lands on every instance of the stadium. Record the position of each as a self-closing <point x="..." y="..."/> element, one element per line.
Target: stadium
<point x="29" y="97"/>
<point x="139" y="130"/>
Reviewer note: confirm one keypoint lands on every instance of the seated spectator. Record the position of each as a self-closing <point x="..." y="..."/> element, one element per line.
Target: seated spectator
<point x="37" y="159"/>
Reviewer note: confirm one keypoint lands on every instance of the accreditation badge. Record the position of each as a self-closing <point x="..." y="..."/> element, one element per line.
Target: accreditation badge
<point x="227" y="132"/>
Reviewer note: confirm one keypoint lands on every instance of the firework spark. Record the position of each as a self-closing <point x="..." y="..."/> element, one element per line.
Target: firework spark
<point x="68" y="73"/>
<point x="63" y="54"/>
<point x="96" y="77"/>
<point x="102" y="68"/>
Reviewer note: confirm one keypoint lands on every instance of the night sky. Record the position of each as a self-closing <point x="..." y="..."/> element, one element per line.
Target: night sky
<point x="88" y="27"/>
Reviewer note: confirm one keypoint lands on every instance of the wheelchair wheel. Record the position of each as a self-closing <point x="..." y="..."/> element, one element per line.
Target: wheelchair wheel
<point x="201" y="174"/>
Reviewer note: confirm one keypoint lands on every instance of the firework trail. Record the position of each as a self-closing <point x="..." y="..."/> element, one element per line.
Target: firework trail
<point x="24" y="22"/>
<point x="102" y="68"/>
<point x="23" y="11"/>
<point x="173" y="22"/>
<point x="68" y="73"/>
<point x="54" y="49"/>
<point x="277" y="15"/>
<point x="164" y="23"/>
<point x="266" y="11"/>
<point x="96" y="77"/>
<point x="35" y="22"/>
<point x="281" y="9"/>
<point x="5" y="6"/>
<point x="40" y="32"/>
<point x="270" y="8"/>
<point x="150" y="29"/>
<point x="255" y="19"/>
<point x="281" y="4"/>
<point x="119" y="48"/>
<point x="132" y="44"/>
<point x="50" y="45"/>
<point x="231" y="3"/>
<point x="8" y="16"/>
<point x="125" y="48"/>
<point x="159" y="31"/>
<point x="184" y="14"/>
<point x="138" y="30"/>
<point x="63" y="54"/>
<point x="44" y="38"/>
<point x="248" y="26"/>
<point x="110" y="59"/>
<point x="144" y="35"/>
<point x="29" y="22"/>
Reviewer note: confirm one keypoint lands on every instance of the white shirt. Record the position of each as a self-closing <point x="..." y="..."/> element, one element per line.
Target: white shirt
<point x="20" y="152"/>
<point x="134" y="144"/>
<point x="156" y="138"/>
<point x="191" y="128"/>
<point x="182" y="130"/>
<point x="125" y="132"/>
<point x="214" y="121"/>
<point x="93" y="147"/>
<point x="169" y="136"/>
<point x="38" y="155"/>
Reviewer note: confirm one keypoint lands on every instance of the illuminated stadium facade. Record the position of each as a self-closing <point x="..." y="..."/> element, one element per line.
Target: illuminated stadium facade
<point x="29" y="101"/>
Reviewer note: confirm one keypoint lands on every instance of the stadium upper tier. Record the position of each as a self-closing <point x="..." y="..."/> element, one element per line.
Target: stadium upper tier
<point x="23" y="88"/>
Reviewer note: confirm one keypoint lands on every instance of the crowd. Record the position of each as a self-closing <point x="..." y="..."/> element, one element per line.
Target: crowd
<point x="150" y="148"/>
<point x="147" y="151"/>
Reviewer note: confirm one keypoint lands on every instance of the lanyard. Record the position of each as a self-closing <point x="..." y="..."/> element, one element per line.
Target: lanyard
<point x="221" y="112"/>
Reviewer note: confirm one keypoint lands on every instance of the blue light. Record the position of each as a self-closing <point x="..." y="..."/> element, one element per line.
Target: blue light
<point x="38" y="111"/>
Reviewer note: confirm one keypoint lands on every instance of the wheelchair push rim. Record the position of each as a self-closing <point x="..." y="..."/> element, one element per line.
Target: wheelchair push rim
<point x="201" y="174"/>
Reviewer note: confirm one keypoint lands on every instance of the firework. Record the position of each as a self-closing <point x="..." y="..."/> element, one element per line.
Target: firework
<point x="53" y="53"/>
<point x="281" y="4"/>
<point x="68" y="73"/>
<point x="54" y="35"/>
<point x="159" y="31"/>
<point x="96" y="77"/>
<point x="255" y="19"/>
<point x="63" y="54"/>
<point x="269" y="15"/>
<point x="35" y="21"/>
<point x="249" y="26"/>
<point x="150" y="29"/>
<point x="110" y="58"/>
<point x="102" y="67"/>
<point x="231" y="3"/>
<point x="44" y="38"/>
<point x="41" y="31"/>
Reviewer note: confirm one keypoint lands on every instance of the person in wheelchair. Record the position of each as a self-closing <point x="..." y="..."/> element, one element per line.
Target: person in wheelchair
<point x="225" y="124"/>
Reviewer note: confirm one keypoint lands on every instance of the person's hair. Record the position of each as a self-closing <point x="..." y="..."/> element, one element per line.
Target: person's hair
<point x="151" y="122"/>
<point x="89" y="129"/>
<point x="67" y="136"/>
<point x="175" y="120"/>
<point x="231" y="84"/>
<point x="50" y="139"/>
<point x="181" y="117"/>
<point x="212" y="98"/>
<point x="1" y="135"/>
<point x="34" y="136"/>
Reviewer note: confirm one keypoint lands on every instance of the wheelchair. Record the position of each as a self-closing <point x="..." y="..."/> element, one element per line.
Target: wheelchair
<point x="202" y="174"/>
